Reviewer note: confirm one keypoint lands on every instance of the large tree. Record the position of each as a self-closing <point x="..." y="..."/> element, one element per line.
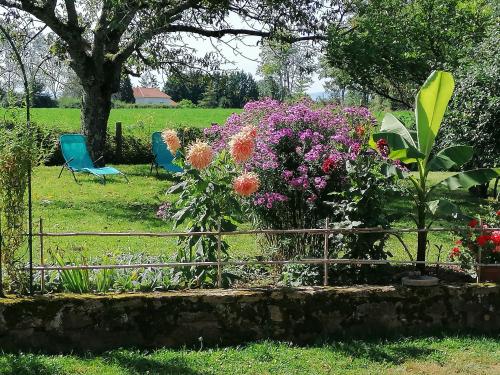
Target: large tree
<point x="288" y="67"/>
<point x="104" y="38"/>
<point x="393" y="45"/>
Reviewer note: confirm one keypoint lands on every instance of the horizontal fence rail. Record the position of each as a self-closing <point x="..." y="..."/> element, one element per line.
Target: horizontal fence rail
<point x="325" y="261"/>
<point x="256" y="231"/>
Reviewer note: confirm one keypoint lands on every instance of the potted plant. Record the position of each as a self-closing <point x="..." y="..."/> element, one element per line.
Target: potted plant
<point x="479" y="244"/>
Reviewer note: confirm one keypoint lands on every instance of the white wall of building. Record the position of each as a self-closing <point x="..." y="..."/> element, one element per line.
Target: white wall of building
<point x="154" y="101"/>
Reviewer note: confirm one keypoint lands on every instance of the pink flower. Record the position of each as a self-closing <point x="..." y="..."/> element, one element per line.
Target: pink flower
<point x="242" y="145"/>
<point x="200" y="155"/>
<point x="246" y="184"/>
<point x="171" y="139"/>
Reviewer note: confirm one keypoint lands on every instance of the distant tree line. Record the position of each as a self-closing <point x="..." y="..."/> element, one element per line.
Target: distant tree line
<point x="226" y="89"/>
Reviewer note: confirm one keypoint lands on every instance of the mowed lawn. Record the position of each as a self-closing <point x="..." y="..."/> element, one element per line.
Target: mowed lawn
<point x="120" y="207"/>
<point x="136" y="121"/>
<point x="433" y="355"/>
<point x="141" y="122"/>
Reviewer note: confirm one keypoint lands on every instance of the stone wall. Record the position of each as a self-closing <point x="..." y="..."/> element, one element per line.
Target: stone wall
<point x="63" y="323"/>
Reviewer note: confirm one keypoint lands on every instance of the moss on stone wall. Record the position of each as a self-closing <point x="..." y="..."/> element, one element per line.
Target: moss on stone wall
<point x="67" y="322"/>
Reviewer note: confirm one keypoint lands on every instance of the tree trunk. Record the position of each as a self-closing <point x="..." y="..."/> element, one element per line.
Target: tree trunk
<point x="96" y="107"/>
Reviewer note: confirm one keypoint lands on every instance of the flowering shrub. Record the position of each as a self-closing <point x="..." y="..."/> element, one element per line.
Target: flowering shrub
<point x="211" y="189"/>
<point x="313" y="162"/>
<point x="478" y="239"/>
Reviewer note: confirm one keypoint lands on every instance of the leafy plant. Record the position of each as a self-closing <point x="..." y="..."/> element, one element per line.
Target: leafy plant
<point x="206" y="204"/>
<point x="404" y="146"/>
<point x="476" y="245"/>
<point x="73" y="280"/>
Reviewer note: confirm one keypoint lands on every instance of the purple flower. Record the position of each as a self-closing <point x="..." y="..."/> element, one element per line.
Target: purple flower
<point x="320" y="183"/>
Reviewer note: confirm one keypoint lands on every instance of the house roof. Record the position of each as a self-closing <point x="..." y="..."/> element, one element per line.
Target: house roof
<point x="146" y="92"/>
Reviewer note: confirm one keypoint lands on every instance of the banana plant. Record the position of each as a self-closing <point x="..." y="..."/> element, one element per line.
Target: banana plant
<point x="417" y="148"/>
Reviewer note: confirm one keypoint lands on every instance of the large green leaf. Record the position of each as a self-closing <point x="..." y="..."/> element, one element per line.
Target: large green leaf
<point x="391" y="124"/>
<point x="399" y="148"/>
<point x="443" y="207"/>
<point x="431" y="103"/>
<point x="451" y="157"/>
<point x="471" y="178"/>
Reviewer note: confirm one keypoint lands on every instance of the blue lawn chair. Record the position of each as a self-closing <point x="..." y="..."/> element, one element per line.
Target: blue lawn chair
<point x="77" y="158"/>
<point x="162" y="156"/>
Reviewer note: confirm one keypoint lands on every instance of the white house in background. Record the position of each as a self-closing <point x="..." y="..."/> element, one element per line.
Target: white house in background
<point x="146" y="95"/>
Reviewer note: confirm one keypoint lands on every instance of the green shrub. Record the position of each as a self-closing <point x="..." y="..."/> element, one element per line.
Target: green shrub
<point x="186" y="103"/>
<point x="69" y="102"/>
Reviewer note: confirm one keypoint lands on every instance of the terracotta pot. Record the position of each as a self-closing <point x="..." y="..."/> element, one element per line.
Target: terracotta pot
<point x="490" y="274"/>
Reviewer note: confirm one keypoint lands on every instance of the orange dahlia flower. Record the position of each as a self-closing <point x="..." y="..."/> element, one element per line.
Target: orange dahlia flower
<point x="246" y="184"/>
<point x="200" y="155"/>
<point x="242" y="145"/>
<point x="171" y="139"/>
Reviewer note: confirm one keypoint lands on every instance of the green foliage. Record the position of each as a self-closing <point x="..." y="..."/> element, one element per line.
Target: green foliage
<point x="206" y="203"/>
<point x="287" y="68"/>
<point x="474" y="113"/>
<point x="225" y="90"/>
<point x="126" y="93"/>
<point x="388" y="47"/>
<point x="19" y="153"/>
<point x="186" y="103"/>
<point x="431" y="103"/>
<point x="74" y="280"/>
<point x="69" y="102"/>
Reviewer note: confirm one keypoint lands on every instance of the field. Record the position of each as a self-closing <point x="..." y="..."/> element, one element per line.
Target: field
<point x="142" y="122"/>
<point x="443" y="355"/>
<point x="121" y="207"/>
<point x="136" y="121"/>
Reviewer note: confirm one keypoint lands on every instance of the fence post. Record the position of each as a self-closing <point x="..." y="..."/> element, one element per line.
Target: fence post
<point x="325" y="253"/>
<point x="119" y="142"/>
<point x="42" y="261"/>
<point x="478" y="267"/>
<point x="219" y="266"/>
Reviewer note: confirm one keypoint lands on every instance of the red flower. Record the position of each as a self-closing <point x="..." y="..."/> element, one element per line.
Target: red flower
<point x="483" y="240"/>
<point x="455" y="252"/>
<point x="383" y="147"/>
<point x="328" y="164"/>
<point x="498" y="213"/>
<point x="495" y="237"/>
<point x="473" y="223"/>
<point x="360" y="131"/>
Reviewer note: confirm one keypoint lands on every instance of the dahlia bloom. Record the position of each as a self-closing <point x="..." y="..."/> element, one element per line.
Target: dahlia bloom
<point x="200" y="155"/>
<point x="455" y="252"/>
<point x="242" y="145"/>
<point x="246" y="184"/>
<point x="473" y="223"/>
<point x="495" y="237"/>
<point x="483" y="240"/>
<point x="171" y="139"/>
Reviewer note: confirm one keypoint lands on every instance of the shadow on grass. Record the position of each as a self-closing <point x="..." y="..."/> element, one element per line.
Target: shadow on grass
<point x="27" y="364"/>
<point x="138" y="363"/>
<point x="394" y="353"/>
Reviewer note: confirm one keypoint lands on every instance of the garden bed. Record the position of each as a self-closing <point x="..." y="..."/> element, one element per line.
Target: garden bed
<point x="63" y="323"/>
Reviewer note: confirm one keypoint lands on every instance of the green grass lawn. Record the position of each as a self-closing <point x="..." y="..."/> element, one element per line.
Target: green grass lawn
<point x="120" y="207"/>
<point x="136" y="121"/>
<point x="448" y="355"/>
<point x="143" y="121"/>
